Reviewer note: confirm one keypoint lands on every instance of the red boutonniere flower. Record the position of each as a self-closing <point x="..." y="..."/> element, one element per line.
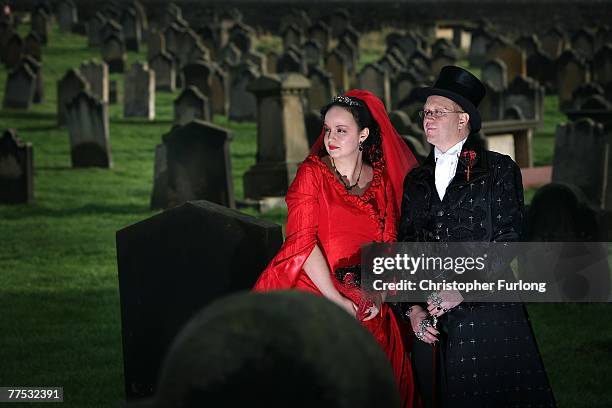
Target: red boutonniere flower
<point x="470" y="159"/>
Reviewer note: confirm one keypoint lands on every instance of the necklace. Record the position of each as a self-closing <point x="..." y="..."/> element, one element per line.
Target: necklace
<point x="346" y="185"/>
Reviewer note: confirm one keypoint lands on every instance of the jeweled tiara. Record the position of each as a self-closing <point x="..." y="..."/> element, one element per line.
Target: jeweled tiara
<point x="347" y="100"/>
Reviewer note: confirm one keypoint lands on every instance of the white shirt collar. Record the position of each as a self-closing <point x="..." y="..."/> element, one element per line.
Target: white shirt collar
<point x="455" y="150"/>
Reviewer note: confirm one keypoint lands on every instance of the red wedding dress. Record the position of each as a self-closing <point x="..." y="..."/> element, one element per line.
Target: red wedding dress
<point x="322" y="212"/>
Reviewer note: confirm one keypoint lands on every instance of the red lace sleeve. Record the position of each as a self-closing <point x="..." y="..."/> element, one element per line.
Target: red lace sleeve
<point x="302" y="225"/>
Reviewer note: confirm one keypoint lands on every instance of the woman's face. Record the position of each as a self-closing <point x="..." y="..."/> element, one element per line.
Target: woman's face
<point x="342" y="134"/>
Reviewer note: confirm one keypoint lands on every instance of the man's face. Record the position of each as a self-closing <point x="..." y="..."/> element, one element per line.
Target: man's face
<point x="446" y="130"/>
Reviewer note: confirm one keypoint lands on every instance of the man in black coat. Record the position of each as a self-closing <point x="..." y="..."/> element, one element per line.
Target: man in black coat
<point x="486" y="354"/>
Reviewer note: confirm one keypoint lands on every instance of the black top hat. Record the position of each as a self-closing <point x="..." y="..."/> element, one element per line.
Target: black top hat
<point x="460" y="86"/>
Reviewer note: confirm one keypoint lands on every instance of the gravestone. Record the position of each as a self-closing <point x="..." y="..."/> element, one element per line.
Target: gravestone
<point x="66" y="15"/>
<point x="585" y="92"/>
<point x="36" y="67"/>
<point x="164" y="67"/>
<point x="111" y="27"/>
<point x="340" y="19"/>
<point x="113" y="93"/>
<point x="199" y="74"/>
<point x="602" y="65"/>
<point x="94" y="30"/>
<point x="481" y="40"/>
<point x="440" y="59"/>
<point x="16" y="169"/>
<point x="420" y="62"/>
<point x="530" y="44"/>
<point x="553" y="42"/>
<point x="292" y="35"/>
<point x="312" y="52"/>
<point x="543" y="69"/>
<point x="256" y="59"/>
<point x="139" y="89"/>
<point x="512" y="56"/>
<point x="576" y="145"/>
<point x="572" y="71"/>
<point x="41" y="24"/>
<point x="172" y="14"/>
<point x="336" y="65"/>
<point x="296" y="17"/>
<point x="290" y="61"/>
<point x="198" y="53"/>
<point x="20" y="88"/>
<point x="198" y="165"/>
<point x="87" y="121"/>
<point x="173" y="264"/>
<point x="322" y="88"/>
<point x="230" y="55"/>
<point x="495" y="73"/>
<point x="219" y="88"/>
<point x="528" y="95"/>
<point x="375" y="79"/>
<point x="191" y="104"/>
<point x="171" y="36"/>
<point x="583" y="43"/>
<point x="33" y="47"/>
<point x="157" y="44"/>
<point x="282" y="142"/>
<point x="321" y="33"/>
<point x="187" y="40"/>
<point x="96" y="74"/>
<point x="14" y="51"/>
<point x="71" y="84"/>
<point x="210" y="36"/>
<point x="132" y="29"/>
<point x="491" y="107"/>
<point x="271" y="62"/>
<point x="402" y="85"/>
<point x="349" y="50"/>
<point x="242" y="36"/>
<point x="114" y="54"/>
<point x="243" y="104"/>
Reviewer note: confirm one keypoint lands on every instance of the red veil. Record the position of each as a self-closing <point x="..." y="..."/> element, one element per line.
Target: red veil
<point x="398" y="158"/>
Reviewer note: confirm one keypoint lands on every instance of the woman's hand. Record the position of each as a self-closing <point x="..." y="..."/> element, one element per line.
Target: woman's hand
<point x="417" y="315"/>
<point x="345" y="303"/>
<point x="446" y="300"/>
<point x="370" y="306"/>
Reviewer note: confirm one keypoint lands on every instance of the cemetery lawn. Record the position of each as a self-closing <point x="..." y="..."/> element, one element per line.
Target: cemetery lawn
<point x="59" y="299"/>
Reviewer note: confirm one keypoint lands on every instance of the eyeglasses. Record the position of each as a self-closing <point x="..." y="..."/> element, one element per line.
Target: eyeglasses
<point x="436" y="114"/>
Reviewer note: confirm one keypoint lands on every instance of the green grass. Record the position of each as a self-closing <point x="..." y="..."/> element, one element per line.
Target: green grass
<point x="59" y="298"/>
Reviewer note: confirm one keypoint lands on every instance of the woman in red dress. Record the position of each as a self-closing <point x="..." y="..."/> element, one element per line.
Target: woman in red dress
<point x="347" y="193"/>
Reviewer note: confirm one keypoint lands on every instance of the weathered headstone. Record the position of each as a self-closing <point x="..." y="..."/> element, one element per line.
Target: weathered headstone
<point x="290" y="61"/>
<point x="33" y="47"/>
<point x="191" y="104"/>
<point x="87" y="120"/>
<point x="375" y="79"/>
<point x="165" y="72"/>
<point x="198" y="165"/>
<point x="585" y="92"/>
<point x="292" y="35"/>
<point x="576" y="144"/>
<point x="36" y="67"/>
<point x="132" y="29"/>
<point x="312" y="52"/>
<point x="572" y="71"/>
<point x="336" y="65"/>
<point x="242" y="36"/>
<point x="20" y="88"/>
<point x="256" y="59"/>
<point x="583" y="42"/>
<point x="175" y="263"/>
<point x="71" y="84"/>
<point x="282" y="142"/>
<point x="114" y="54"/>
<point x="139" y="88"/>
<point x="157" y="44"/>
<point x="171" y="36"/>
<point x="111" y="27"/>
<point x="230" y="55"/>
<point x="94" y="30"/>
<point x="478" y="47"/>
<point x="491" y="107"/>
<point x="340" y="19"/>
<point x="321" y="90"/>
<point x="442" y="58"/>
<point x="14" y="51"/>
<point x="66" y="15"/>
<point x="187" y="40"/>
<point x="199" y="74"/>
<point x="271" y="62"/>
<point x="96" y="74"/>
<point x="243" y="104"/>
<point x="602" y="65"/>
<point x="198" y="53"/>
<point x="530" y="44"/>
<point x="321" y="33"/>
<point x="401" y="85"/>
<point x="528" y="95"/>
<point x="41" y="24"/>
<point x="543" y="69"/>
<point x="219" y="88"/>
<point x="553" y="42"/>
<point x="349" y="50"/>
<point x="512" y="56"/>
<point x="16" y="169"/>
<point x="494" y="72"/>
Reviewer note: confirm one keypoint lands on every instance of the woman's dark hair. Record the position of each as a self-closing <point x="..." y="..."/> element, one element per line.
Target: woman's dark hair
<point x="372" y="146"/>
